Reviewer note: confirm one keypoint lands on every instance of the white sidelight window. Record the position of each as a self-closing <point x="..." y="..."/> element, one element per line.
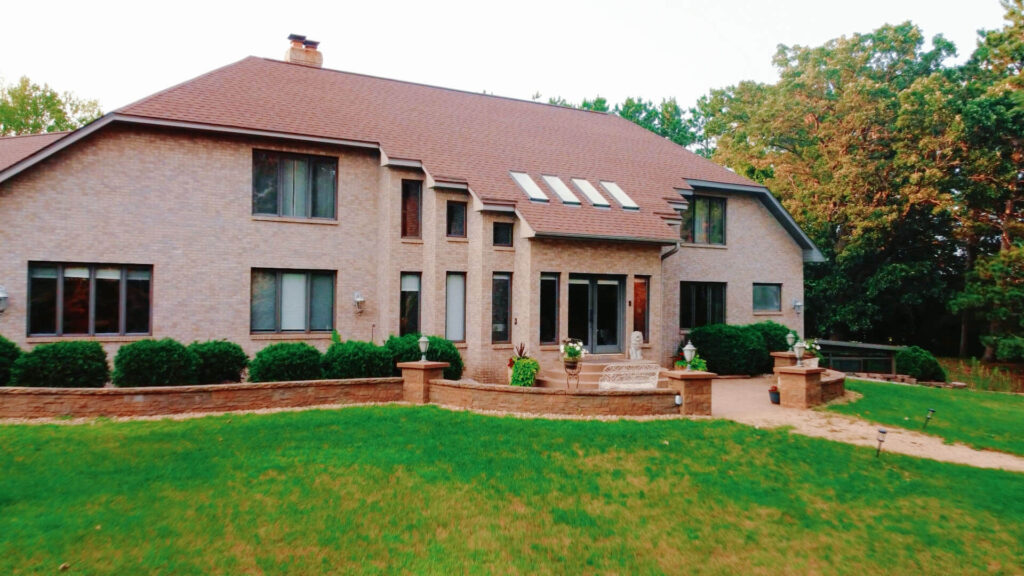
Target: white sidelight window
<point x="455" y="307"/>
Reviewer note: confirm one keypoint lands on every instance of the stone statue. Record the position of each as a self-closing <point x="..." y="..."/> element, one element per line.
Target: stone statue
<point x="636" y="340"/>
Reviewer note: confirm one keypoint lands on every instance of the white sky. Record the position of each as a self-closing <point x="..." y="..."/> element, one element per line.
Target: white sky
<point x="118" y="52"/>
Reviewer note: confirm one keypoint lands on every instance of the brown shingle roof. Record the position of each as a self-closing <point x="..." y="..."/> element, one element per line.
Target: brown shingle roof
<point x="14" y="148"/>
<point x="465" y="136"/>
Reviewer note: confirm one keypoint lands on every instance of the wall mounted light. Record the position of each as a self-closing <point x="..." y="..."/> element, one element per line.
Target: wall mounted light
<point x="798" y="306"/>
<point x="881" y="439"/>
<point x="3" y="299"/>
<point x="424" y="344"/>
<point x="359" y="301"/>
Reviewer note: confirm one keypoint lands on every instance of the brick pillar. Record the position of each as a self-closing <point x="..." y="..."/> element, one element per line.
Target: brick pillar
<point x="416" y="378"/>
<point x="783" y="359"/>
<point x="799" y="386"/>
<point x="695" y="388"/>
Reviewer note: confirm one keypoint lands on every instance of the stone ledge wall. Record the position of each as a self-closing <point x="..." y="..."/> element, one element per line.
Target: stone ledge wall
<point x="164" y="400"/>
<point x="504" y="398"/>
<point x="833" y="385"/>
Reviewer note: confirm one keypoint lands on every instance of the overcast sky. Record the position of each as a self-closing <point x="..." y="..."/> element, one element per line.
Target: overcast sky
<point x="118" y="52"/>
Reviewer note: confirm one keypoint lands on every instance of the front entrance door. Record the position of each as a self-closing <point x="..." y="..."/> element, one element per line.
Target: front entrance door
<point x="596" y="312"/>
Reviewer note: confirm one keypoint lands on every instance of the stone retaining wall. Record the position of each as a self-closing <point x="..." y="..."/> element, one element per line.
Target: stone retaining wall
<point x="833" y="385"/>
<point x="91" y="402"/>
<point x="500" y="397"/>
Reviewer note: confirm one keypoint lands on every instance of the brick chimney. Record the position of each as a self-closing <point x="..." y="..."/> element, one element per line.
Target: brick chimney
<point x="303" y="52"/>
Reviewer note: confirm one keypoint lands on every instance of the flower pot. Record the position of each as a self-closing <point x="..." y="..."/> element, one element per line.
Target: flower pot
<point x="571" y="363"/>
<point x="811" y="362"/>
<point x="774" y="397"/>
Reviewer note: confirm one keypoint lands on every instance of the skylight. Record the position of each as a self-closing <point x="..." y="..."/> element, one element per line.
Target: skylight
<point x="529" y="186"/>
<point x="556" y="184"/>
<point x="621" y="197"/>
<point x="590" y="192"/>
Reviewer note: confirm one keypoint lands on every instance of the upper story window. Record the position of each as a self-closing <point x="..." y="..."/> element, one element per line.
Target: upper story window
<point x="294" y="185"/>
<point x="412" y="208"/>
<point x="502" y="234"/>
<point x="456" y="221"/>
<point x="88" y="299"/>
<point x="292" y="300"/>
<point x="704" y="220"/>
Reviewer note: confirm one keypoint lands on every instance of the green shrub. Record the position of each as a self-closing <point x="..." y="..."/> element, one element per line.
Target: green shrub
<point x="218" y="361"/>
<point x="919" y="363"/>
<point x="285" y="361"/>
<point x="71" y="364"/>
<point x="524" y="372"/>
<point x="729" y="349"/>
<point x="407" y="349"/>
<point x="9" y="352"/>
<point x="356" y="359"/>
<point x="774" y="335"/>
<point x="164" y="362"/>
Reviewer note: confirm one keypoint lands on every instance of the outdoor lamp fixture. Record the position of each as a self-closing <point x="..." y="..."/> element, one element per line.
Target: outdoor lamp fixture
<point x="679" y="399"/>
<point x="798" y="306"/>
<point x="881" y="439"/>
<point x="790" y="340"/>
<point x="689" y="351"/>
<point x="799" y="349"/>
<point x="928" y="418"/>
<point x="3" y="299"/>
<point x="424" y="344"/>
<point x="358" y="300"/>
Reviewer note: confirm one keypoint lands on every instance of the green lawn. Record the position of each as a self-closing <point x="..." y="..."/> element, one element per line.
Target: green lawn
<point x="399" y="489"/>
<point x="987" y="420"/>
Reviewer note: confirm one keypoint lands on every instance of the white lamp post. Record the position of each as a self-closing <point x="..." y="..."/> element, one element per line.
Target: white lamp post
<point x="799" y="349"/>
<point x="790" y="340"/>
<point x="424" y="344"/>
<point x="689" y="351"/>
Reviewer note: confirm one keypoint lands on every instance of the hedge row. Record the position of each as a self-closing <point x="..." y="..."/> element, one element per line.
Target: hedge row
<point x="166" y="362"/>
<point x="732" y="349"/>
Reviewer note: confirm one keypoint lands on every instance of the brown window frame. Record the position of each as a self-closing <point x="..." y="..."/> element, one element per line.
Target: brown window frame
<point x="448" y="218"/>
<point x="312" y="159"/>
<point x="508" y="309"/>
<point x="646" y="328"/>
<point x="557" y="278"/>
<point x="419" y="303"/>
<point x="278" y="304"/>
<point x="511" y="234"/>
<point x="59" y="299"/>
<point x="412" y="187"/>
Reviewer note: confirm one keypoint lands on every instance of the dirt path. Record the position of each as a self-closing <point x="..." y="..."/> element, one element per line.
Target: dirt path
<point x="746" y="401"/>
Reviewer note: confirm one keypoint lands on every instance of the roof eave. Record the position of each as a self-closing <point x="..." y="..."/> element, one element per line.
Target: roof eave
<point x="633" y="239"/>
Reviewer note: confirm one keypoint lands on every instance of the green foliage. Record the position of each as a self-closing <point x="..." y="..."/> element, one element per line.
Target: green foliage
<point x="356" y="359"/>
<point x="407" y="349"/>
<point x="774" y="335"/>
<point x="524" y="372"/>
<point x="27" y="108"/>
<point x="995" y="291"/>
<point x="149" y="362"/>
<point x="980" y="376"/>
<point x="70" y="364"/>
<point x="285" y="361"/>
<point x="729" y="349"/>
<point x="697" y="363"/>
<point x="218" y="361"/>
<point x="919" y="363"/>
<point x="9" y="352"/>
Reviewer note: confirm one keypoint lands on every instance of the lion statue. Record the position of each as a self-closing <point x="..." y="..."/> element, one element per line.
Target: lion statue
<point x="636" y="340"/>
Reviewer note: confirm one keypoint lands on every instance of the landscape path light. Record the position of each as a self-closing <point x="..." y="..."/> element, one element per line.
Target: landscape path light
<point x="689" y="352"/>
<point x="881" y="438"/>
<point x="424" y="344"/>
<point x="799" y="349"/>
<point x="928" y="418"/>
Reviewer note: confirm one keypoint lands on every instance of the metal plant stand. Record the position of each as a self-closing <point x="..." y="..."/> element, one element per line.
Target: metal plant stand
<point x="572" y="373"/>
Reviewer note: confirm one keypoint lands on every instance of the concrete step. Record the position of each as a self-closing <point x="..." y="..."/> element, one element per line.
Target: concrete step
<point x="553" y="379"/>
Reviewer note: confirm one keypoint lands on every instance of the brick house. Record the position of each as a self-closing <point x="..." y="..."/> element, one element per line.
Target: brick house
<point x="276" y="200"/>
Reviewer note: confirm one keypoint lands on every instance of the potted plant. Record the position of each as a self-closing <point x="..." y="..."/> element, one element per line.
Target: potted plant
<point x="572" y="353"/>
<point x="773" y="394"/>
<point x="518" y="353"/>
<point x="813" y="352"/>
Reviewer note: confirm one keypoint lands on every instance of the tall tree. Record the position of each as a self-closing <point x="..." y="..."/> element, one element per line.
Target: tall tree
<point x="28" y="108"/>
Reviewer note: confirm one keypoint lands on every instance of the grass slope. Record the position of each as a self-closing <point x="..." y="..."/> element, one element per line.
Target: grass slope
<point x="984" y="420"/>
<point x="422" y="490"/>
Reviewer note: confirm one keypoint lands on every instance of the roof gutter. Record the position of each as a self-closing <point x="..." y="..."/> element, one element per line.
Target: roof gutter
<point x="634" y="239"/>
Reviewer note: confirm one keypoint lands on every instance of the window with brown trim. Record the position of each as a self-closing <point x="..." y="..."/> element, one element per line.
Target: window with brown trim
<point x="409" y="305"/>
<point x="641" y="306"/>
<point x="88" y="299"/>
<point x="501" y="307"/>
<point x="503" y="234"/>
<point x="456" y="221"/>
<point x="294" y="185"/>
<point x="549" y="308"/>
<point x="292" y="300"/>
<point x="412" y="209"/>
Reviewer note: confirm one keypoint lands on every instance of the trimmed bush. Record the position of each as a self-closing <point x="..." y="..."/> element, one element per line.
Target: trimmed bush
<point x="285" y="361"/>
<point x="729" y="349"/>
<point x="774" y="335"/>
<point x="218" y="361"/>
<point x="9" y="352"/>
<point x="407" y="349"/>
<point x="356" y="359"/>
<point x="164" y="362"/>
<point x="524" y="372"/>
<point x="71" y="364"/>
<point x="919" y="363"/>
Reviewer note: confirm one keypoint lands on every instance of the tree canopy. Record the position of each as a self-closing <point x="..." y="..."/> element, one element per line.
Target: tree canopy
<point x="28" y="108"/>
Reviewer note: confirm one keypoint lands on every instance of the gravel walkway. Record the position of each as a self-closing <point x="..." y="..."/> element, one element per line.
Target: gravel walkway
<point x="746" y="401"/>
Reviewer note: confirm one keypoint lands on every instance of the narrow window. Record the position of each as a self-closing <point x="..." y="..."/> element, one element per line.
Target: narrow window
<point x="412" y="194"/>
<point x="501" y="307"/>
<point x="291" y="301"/>
<point x="455" y="307"/>
<point x="88" y="299"/>
<point x="456" y="219"/>
<point x="701" y="303"/>
<point x="409" y="308"/>
<point x="704" y="221"/>
<point x="767" y="297"/>
<point x="294" y="185"/>
<point x="641" y="315"/>
<point x="549" y="308"/>
<point x="503" y="233"/>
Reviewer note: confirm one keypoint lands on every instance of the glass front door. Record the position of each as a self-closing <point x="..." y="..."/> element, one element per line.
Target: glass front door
<point x="595" y="312"/>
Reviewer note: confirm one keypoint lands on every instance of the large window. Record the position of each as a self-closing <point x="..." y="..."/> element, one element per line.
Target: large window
<point x="456" y="221"/>
<point x="767" y="297"/>
<point x="701" y="303"/>
<point x="292" y="301"/>
<point x="501" y="307"/>
<point x="409" y="307"/>
<point x="293" y="185"/>
<point x="85" y="299"/>
<point x="502" y="234"/>
<point x="641" y="313"/>
<point x="704" y="221"/>
<point x="455" y="307"/>
<point x="548" y="308"/>
<point x="412" y="209"/>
